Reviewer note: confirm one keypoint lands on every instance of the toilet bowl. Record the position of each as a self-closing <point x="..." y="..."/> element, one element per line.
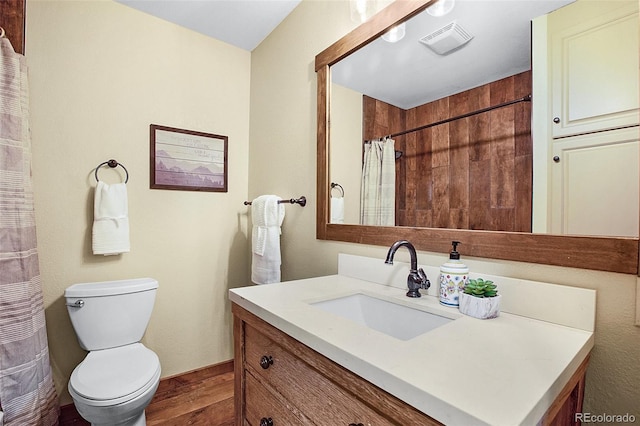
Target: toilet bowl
<point x="114" y="386"/>
<point x="119" y="376"/>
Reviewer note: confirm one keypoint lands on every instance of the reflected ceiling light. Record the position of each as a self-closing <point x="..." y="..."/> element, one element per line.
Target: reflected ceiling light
<point x="395" y="34"/>
<point x="441" y="7"/>
<point x="361" y="10"/>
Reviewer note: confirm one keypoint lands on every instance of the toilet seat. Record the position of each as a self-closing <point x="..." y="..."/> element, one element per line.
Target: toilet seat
<point x="116" y="375"/>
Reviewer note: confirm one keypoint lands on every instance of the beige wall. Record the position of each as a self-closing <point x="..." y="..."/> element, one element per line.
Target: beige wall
<point x="100" y="73"/>
<point x="346" y="155"/>
<point x="282" y="160"/>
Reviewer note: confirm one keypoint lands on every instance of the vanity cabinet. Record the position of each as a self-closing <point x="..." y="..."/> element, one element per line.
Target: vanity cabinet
<point x="281" y="382"/>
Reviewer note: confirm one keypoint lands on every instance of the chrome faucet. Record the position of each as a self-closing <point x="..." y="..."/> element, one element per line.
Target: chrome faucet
<point x="417" y="279"/>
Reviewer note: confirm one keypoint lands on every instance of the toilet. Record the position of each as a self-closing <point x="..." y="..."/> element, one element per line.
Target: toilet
<point x="119" y="376"/>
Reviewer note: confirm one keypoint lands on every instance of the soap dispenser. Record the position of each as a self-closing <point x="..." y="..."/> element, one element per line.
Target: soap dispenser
<point x="454" y="276"/>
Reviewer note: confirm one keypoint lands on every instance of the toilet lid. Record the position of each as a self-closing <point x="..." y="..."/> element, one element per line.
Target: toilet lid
<point x="113" y="373"/>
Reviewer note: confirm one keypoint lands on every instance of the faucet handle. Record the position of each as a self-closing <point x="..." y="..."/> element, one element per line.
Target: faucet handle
<point x="424" y="281"/>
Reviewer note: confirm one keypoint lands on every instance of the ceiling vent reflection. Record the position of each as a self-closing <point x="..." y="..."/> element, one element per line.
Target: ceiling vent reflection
<point x="447" y="39"/>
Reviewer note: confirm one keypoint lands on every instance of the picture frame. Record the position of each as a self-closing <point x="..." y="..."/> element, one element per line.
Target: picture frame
<point x="187" y="160"/>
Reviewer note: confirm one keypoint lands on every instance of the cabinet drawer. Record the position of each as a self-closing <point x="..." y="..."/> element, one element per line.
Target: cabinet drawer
<point x="262" y="404"/>
<point x="321" y="400"/>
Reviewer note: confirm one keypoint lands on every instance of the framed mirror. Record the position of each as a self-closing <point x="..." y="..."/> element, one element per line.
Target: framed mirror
<point x="617" y="254"/>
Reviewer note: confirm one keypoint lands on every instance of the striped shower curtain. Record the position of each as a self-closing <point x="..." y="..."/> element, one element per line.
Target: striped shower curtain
<point x="27" y="393"/>
<point x="378" y="185"/>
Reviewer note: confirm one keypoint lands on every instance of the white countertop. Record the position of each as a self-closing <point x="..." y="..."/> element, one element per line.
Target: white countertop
<point x="503" y="371"/>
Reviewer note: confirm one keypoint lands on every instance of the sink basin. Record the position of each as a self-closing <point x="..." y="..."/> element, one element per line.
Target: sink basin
<point x="393" y="319"/>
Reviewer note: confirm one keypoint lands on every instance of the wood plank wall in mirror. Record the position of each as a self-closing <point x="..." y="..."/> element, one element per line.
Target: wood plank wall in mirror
<point x="468" y="174"/>
<point x="12" y="20"/>
<point x="598" y="253"/>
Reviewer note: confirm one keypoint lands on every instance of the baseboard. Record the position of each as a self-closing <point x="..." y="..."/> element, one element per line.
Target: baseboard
<point x="208" y="371"/>
<point x="69" y="416"/>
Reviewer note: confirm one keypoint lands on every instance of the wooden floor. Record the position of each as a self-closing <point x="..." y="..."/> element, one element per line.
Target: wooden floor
<point x="202" y="398"/>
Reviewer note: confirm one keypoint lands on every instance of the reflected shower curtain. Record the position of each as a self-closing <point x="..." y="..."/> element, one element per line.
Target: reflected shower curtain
<point x="27" y="393"/>
<point x="378" y="190"/>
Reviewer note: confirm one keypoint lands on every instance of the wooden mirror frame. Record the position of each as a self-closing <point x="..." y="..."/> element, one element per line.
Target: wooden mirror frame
<point x="600" y="253"/>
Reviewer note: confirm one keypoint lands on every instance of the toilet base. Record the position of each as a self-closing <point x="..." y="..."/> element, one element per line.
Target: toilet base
<point x="130" y="413"/>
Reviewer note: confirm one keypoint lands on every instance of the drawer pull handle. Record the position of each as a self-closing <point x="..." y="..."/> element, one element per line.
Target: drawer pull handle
<point x="266" y="421"/>
<point x="266" y="362"/>
<point x="356" y="424"/>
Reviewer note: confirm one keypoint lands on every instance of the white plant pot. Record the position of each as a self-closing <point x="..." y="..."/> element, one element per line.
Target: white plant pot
<point x="480" y="307"/>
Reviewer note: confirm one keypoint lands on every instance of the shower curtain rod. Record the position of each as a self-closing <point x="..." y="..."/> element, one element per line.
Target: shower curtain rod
<point x="469" y="114"/>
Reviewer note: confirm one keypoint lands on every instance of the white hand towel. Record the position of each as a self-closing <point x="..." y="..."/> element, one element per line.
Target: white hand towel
<point x="267" y="216"/>
<point x="337" y="210"/>
<point x="110" y="219"/>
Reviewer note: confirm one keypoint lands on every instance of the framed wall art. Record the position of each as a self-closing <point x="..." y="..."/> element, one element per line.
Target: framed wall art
<point x="188" y="160"/>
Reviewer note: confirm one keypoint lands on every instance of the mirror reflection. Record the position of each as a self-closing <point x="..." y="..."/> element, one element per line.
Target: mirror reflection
<point x="473" y="173"/>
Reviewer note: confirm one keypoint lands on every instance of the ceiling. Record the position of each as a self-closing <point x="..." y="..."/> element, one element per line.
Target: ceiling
<point x="241" y="23"/>
<point x="408" y="73"/>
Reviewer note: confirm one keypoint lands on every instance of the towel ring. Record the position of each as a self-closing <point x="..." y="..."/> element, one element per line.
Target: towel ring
<point x="113" y="164"/>
<point x="337" y="185"/>
<point x="2" y="33"/>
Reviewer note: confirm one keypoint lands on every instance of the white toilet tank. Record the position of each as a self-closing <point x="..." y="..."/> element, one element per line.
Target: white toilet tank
<point x="110" y="313"/>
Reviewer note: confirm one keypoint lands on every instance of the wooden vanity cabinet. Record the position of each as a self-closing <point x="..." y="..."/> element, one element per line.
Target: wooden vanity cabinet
<point x="562" y="411"/>
<point x="281" y="382"/>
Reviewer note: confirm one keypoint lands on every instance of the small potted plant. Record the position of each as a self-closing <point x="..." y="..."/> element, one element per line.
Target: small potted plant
<point x="480" y="299"/>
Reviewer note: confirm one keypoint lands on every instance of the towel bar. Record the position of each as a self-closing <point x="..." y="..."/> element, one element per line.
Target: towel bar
<point x="113" y="164"/>
<point x="302" y="201"/>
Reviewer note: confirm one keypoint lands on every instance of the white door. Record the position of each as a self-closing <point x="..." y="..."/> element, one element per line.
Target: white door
<point x="595" y="184"/>
<point x="594" y="68"/>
